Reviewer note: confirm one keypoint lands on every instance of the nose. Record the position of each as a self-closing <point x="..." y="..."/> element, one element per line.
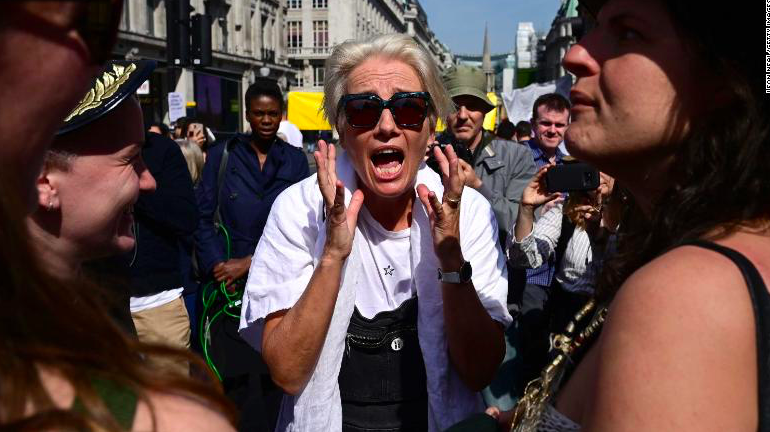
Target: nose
<point x="387" y="124"/>
<point x="579" y="60"/>
<point x="146" y="181"/>
<point x="462" y="112"/>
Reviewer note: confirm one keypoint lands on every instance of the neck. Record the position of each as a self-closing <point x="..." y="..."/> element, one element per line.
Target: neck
<point x="648" y="184"/>
<point x="261" y="145"/>
<point x="54" y="252"/>
<point x="550" y="153"/>
<point x="475" y="141"/>
<point x="394" y="214"/>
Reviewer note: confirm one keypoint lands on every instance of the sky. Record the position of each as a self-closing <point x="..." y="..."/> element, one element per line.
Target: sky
<point x="459" y="24"/>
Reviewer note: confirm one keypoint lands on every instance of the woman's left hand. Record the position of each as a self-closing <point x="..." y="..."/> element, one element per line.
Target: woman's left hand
<point x="445" y="214"/>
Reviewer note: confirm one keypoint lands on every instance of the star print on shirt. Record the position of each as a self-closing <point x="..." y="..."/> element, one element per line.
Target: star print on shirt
<point x="388" y="270"/>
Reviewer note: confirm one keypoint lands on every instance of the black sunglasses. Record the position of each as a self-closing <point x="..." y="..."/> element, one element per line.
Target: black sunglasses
<point x="409" y="109"/>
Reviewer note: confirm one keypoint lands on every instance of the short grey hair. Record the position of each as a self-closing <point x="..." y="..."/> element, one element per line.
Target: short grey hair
<point x="348" y="55"/>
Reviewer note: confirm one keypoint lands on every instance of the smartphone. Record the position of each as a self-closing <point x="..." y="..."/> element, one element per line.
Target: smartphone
<point x="194" y="129"/>
<point x="572" y="177"/>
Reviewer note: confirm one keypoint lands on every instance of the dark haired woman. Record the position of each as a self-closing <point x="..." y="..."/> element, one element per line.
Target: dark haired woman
<point x="676" y="112"/>
<point x="240" y="181"/>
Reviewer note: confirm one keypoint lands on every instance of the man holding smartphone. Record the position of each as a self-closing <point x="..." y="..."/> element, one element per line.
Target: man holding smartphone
<point x="550" y="119"/>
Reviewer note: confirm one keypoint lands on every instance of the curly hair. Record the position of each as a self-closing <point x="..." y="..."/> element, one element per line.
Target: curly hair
<point x="722" y="182"/>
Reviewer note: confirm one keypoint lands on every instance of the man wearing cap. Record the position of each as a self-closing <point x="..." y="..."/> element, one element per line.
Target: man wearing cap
<point x="499" y="169"/>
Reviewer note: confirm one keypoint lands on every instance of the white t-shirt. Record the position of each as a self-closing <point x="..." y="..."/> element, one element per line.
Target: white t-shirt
<point x="138" y="304"/>
<point x="389" y="252"/>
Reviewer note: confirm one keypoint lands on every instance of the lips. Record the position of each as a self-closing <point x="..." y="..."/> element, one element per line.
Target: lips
<point x="387" y="162"/>
<point x="580" y="99"/>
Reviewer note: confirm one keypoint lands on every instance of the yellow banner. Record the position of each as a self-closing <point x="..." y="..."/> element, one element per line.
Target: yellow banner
<point x="305" y="111"/>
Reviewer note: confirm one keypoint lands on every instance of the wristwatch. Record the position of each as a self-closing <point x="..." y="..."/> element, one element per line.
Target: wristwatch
<point x="458" y="277"/>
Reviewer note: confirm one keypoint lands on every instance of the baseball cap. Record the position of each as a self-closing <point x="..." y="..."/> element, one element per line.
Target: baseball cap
<point x="467" y="80"/>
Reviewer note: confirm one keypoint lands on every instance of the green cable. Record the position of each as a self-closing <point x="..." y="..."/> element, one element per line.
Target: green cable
<point x="232" y="302"/>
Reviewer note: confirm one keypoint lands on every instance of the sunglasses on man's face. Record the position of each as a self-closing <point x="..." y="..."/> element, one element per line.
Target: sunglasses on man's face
<point x="409" y="109"/>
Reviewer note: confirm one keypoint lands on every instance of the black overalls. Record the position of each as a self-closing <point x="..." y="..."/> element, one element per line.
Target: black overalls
<point x="382" y="379"/>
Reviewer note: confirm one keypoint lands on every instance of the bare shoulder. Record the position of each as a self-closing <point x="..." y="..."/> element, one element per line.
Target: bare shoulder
<point x="678" y="349"/>
<point x="177" y="413"/>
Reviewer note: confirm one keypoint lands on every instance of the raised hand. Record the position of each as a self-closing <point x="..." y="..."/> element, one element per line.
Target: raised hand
<point x="471" y="179"/>
<point x="445" y="214"/>
<point x="340" y="221"/>
<point x="536" y="193"/>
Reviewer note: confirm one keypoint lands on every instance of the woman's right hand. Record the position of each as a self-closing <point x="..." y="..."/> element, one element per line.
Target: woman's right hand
<point x="536" y="193"/>
<point x="340" y="221"/>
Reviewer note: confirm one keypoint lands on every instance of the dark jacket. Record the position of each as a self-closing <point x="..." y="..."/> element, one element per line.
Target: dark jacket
<point x="162" y="218"/>
<point x="247" y="194"/>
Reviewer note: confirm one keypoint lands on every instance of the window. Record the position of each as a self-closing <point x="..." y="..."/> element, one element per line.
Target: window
<point x="318" y="75"/>
<point x="320" y="37"/>
<point x="320" y="4"/>
<point x="295" y="4"/>
<point x="294" y="33"/>
<point x="151" y="17"/>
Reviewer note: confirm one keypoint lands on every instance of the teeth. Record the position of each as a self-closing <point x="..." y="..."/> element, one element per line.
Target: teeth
<point x="389" y="170"/>
<point x="387" y="151"/>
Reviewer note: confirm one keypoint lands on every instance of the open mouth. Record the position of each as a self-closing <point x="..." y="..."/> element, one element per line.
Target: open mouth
<point x="387" y="162"/>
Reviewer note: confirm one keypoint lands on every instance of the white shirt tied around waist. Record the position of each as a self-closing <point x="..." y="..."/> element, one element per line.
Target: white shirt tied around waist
<point x="285" y="259"/>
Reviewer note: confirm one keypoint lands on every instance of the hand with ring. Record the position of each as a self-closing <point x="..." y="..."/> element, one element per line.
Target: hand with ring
<point x="445" y="214"/>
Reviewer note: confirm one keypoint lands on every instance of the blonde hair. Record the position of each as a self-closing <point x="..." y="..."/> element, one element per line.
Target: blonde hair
<point x="193" y="155"/>
<point x="350" y="54"/>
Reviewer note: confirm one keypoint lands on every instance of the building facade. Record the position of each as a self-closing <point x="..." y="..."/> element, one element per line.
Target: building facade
<point x="247" y="42"/>
<point x="286" y="40"/>
<point x="567" y="28"/>
<point x="314" y="27"/>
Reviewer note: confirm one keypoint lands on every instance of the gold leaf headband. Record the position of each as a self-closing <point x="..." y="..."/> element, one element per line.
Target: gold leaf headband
<point x="103" y="88"/>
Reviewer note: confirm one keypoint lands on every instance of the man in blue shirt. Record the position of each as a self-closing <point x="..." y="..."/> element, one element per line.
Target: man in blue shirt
<point x="550" y="118"/>
<point x="241" y="179"/>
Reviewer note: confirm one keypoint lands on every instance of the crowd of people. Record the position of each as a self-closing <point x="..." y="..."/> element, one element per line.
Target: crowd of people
<point x="156" y="278"/>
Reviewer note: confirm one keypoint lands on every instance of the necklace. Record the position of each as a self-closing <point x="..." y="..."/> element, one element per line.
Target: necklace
<point x="540" y="391"/>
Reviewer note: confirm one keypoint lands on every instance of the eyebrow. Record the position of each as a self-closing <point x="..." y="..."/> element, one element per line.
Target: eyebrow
<point x="624" y="16"/>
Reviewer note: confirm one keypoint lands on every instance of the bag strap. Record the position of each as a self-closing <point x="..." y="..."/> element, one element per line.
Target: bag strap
<point x="221" y="178"/>
<point x="567" y="229"/>
<point x="760" y="301"/>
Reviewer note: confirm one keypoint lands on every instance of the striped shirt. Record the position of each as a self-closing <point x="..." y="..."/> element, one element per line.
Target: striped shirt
<point x="543" y="274"/>
<point x="582" y="257"/>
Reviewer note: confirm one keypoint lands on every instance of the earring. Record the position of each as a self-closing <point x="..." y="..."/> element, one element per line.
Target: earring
<point x="50" y="205"/>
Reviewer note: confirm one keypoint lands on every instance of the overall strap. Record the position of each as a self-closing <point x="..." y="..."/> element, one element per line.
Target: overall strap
<point x="760" y="300"/>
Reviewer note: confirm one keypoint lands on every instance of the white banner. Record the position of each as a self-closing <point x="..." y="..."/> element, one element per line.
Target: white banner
<point x="518" y="103"/>
<point x="176" y="106"/>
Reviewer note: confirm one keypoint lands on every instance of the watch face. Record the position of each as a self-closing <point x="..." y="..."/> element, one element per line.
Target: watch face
<point x="466" y="272"/>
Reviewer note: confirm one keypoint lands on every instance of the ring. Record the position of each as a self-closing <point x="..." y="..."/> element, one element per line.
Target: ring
<point x="454" y="201"/>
